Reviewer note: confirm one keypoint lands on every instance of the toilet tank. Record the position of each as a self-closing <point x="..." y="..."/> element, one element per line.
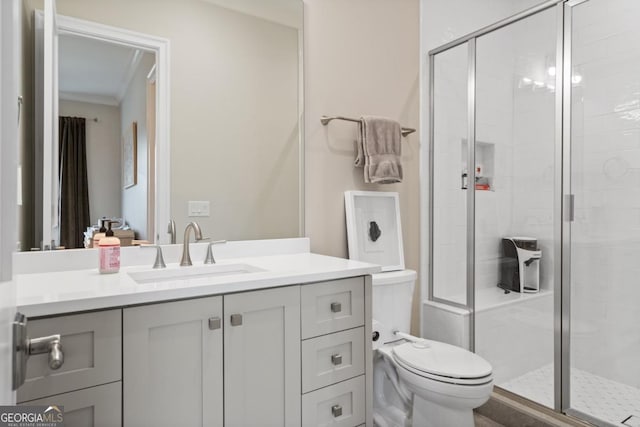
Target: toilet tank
<point x="392" y="302"/>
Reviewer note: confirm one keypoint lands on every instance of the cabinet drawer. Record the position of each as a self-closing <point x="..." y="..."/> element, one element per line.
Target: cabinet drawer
<point x="332" y="306"/>
<point x="92" y="407"/>
<point x="339" y="405"/>
<point x="92" y="346"/>
<point x="332" y="358"/>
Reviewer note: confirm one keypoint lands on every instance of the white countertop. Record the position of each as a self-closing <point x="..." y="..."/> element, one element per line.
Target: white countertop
<point x="58" y="292"/>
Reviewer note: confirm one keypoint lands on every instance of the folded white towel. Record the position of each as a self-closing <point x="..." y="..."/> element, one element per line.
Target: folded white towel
<point x="379" y="150"/>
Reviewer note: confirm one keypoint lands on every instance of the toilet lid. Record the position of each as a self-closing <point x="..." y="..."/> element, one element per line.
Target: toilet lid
<point x="443" y="360"/>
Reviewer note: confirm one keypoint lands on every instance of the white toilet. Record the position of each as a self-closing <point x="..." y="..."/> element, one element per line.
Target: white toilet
<point x="417" y="382"/>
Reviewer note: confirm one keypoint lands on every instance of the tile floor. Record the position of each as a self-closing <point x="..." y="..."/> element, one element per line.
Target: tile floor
<point x="591" y="394"/>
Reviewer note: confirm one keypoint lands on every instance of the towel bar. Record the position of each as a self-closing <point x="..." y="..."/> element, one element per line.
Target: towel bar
<point x="326" y="119"/>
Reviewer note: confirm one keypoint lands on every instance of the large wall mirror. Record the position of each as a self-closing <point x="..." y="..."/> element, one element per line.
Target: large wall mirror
<point x="148" y="111"/>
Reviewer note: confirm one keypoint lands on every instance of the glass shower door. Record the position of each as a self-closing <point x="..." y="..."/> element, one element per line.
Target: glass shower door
<point x="605" y="232"/>
<point x="516" y="188"/>
<point x="449" y="200"/>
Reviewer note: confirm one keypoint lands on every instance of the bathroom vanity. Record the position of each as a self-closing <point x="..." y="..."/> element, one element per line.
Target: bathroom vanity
<point x="282" y="340"/>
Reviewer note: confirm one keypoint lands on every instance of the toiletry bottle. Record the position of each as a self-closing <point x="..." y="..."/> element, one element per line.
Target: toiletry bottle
<point x="109" y="252"/>
<point x="100" y="234"/>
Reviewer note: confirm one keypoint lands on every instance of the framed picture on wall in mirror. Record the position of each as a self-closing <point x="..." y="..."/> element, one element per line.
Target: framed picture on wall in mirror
<point x="374" y="232"/>
<point x="130" y="156"/>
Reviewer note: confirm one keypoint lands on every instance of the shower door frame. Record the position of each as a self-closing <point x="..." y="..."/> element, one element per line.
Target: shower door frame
<point x="563" y="201"/>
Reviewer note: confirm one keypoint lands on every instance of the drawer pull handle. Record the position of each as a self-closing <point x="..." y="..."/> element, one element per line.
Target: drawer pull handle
<point x="336" y="410"/>
<point x="336" y="359"/>
<point x="336" y="307"/>
<point x="236" y="319"/>
<point x="214" y="323"/>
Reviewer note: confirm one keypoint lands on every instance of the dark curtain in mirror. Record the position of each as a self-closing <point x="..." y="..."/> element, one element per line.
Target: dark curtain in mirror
<point x="74" y="187"/>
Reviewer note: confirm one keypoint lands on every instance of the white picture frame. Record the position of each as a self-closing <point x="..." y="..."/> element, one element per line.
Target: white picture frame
<point x="374" y="230"/>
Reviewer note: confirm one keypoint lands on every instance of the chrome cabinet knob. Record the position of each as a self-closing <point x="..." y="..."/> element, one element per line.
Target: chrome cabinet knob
<point x="336" y="307"/>
<point x="236" y="319"/>
<point x="336" y="359"/>
<point x="214" y="323"/>
<point x="336" y="410"/>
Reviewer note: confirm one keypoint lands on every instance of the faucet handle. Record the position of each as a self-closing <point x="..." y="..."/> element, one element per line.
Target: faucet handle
<point x="159" y="263"/>
<point x="209" y="258"/>
<point x="171" y="229"/>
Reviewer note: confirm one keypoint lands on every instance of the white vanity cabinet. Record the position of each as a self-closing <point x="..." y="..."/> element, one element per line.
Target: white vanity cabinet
<point x="287" y="356"/>
<point x="172" y="364"/>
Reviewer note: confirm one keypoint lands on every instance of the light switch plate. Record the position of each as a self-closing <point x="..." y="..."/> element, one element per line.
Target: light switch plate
<point x="199" y="208"/>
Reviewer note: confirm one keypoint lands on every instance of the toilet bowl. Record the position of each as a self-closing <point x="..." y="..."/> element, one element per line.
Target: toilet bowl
<point x="418" y="382"/>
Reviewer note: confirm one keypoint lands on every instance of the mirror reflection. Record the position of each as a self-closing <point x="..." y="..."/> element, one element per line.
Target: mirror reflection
<point x="106" y="108"/>
<point x="222" y="147"/>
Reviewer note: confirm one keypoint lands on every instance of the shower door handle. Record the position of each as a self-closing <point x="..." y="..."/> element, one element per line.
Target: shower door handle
<point x="570" y="206"/>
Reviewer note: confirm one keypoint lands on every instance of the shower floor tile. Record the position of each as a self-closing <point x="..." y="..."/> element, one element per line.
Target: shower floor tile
<point x="591" y="394"/>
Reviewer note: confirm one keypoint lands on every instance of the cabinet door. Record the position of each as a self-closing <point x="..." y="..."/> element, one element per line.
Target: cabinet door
<point x="92" y="407"/>
<point x="172" y="364"/>
<point x="262" y="358"/>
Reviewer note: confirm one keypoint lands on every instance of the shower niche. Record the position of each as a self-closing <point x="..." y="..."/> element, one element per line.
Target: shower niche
<point x="485" y="166"/>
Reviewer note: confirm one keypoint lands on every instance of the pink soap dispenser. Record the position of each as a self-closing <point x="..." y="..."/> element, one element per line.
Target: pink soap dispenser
<point x="109" y="252"/>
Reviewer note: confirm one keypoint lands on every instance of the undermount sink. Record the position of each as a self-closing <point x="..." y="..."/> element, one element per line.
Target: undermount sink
<point x="192" y="273"/>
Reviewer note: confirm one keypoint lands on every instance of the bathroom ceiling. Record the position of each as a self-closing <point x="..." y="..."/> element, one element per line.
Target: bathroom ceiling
<point x="94" y="70"/>
<point x="285" y="12"/>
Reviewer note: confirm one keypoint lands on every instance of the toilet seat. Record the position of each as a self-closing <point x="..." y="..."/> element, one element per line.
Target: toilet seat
<point x="443" y="362"/>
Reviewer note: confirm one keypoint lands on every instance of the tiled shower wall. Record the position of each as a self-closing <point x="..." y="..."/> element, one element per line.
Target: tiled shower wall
<point x="517" y="122"/>
<point x="534" y="140"/>
<point x="441" y="23"/>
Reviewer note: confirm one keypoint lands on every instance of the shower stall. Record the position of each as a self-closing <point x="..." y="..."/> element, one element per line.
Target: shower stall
<point x="535" y="143"/>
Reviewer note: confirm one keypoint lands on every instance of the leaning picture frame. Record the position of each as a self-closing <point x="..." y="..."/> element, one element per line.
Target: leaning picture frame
<point x="374" y="230"/>
<point x="130" y="156"/>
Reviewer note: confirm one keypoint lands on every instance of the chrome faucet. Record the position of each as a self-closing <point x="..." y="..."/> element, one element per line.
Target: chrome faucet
<point x="186" y="258"/>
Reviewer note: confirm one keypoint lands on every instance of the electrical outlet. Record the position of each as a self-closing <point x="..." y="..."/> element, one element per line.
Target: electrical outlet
<point x="199" y="208"/>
